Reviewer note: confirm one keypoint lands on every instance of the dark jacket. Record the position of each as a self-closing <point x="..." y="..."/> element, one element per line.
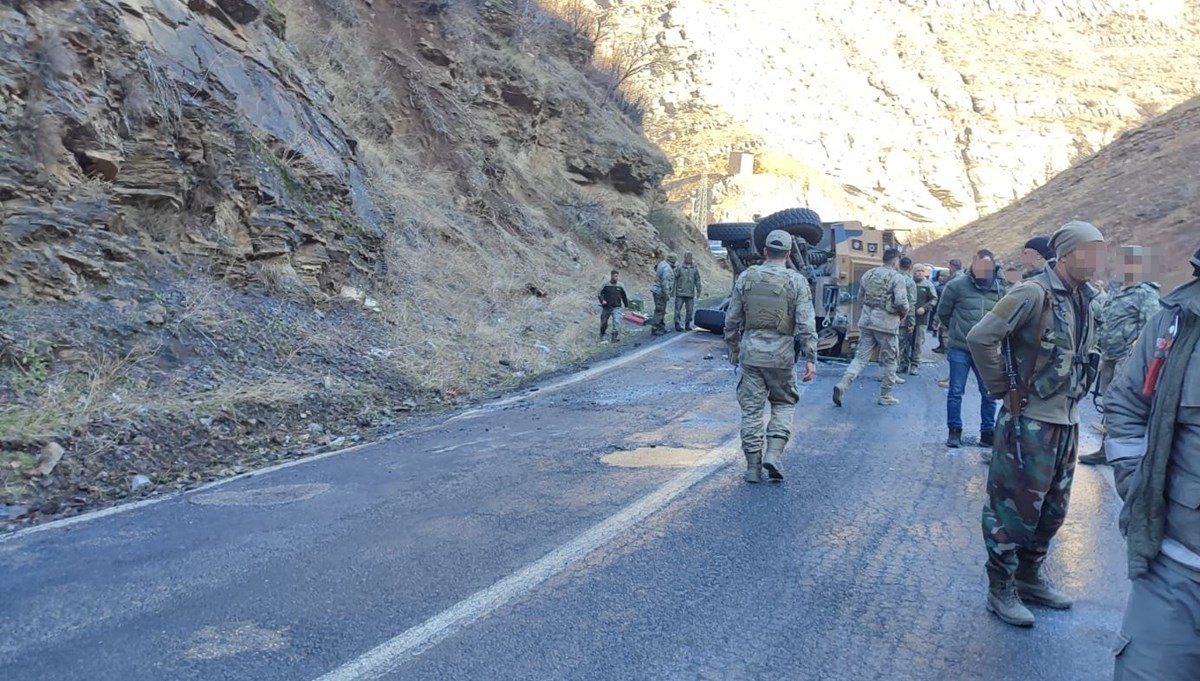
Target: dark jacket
<point x="964" y="302"/>
<point x="613" y="295"/>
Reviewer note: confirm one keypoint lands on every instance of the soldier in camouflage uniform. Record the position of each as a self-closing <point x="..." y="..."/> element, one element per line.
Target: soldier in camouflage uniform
<point x="1152" y="410"/>
<point x="662" y="290"/>
<point x="884" y="297"/>
<point x="612" y="298"/>
<point x="927" y="299"/>
<point x="1046" y="323"/>
<point x="688" y="288"/>
<point x="1121" y="320"/>
<point x="769" y="326"/>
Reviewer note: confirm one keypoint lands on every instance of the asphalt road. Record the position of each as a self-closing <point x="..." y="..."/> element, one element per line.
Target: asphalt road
<point x="597" y="530"/>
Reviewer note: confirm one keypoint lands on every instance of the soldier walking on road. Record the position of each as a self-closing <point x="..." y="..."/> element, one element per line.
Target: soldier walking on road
<point x="769" y="326"/>
<point x="612" y="298"/>
<point x="688" y="288"/>
<point x="965" y="300"/>
<point x="1153" y="416"/>
<point x="1120" y="322"/>
<point x="662" y="290"/>
<point x="927" y="300"/>
<point x="1035" y="349"/>
<point x="884" y="297"/>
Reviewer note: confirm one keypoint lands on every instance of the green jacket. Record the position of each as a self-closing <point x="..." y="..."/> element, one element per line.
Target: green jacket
<point x="927" y="298"/>
<point x="963" y="303"/>
<point x="687" y="281"/>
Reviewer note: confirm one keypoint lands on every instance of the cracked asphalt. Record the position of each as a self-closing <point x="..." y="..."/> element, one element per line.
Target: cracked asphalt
<point x="865" y="564"/>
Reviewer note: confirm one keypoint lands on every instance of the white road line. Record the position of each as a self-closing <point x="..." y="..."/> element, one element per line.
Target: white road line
<point x="392" y="654"/>
<point x="133" y="505"/>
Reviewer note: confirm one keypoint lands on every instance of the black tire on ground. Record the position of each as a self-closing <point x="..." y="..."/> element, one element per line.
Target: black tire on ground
<point x="802" y="223"/>
<point x="727" y="233"/>
<point x="710" y="320"/>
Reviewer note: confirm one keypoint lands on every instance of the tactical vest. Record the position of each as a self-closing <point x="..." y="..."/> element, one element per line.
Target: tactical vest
<point x="877" y="290"/>
<point x="1065" y="364"/>
<point x="767" y="299"/>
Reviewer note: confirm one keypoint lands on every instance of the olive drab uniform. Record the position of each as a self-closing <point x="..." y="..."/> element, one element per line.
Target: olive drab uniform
<point x="904" y="360"/>
<point x="927" y="299"/>
<point x="688" y="288"/>
<point x="1152" y="411"/>
<point x="662" y="290"/>
<point x="612" y="298"/>
<point x="884" y="297"/>
<point x="769" y="325"/>
<point x="1052" y="337"/>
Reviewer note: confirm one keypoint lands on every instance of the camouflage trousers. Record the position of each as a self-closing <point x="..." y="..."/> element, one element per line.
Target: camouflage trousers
<point x="660" y="312"/>
<point x="609" y="314"/>
<point x="1027" y="504"/>
<point x="911" y="346"/>
<point x="888" y="345"/>
<point x="758" y="387"/>
<point x="684" y="304"/>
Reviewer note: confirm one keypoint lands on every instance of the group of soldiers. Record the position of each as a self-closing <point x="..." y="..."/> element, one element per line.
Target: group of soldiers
<point x="671" y="280"/>
<point x="1037" y="347"/>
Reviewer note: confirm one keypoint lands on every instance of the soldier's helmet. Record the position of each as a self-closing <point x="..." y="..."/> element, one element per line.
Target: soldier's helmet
<point x="779" y="240"/>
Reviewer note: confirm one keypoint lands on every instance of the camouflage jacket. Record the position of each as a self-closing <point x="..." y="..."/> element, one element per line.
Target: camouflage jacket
<point x="1123" y="317"/>
<point x="687" y="281"/>
<point x="884" y="297"/>
<point x="664" y="279"/>
<point x="1051" y="368"/>
<point x="927" y="298"/>
<point x="768" y="348"/>
<point x="910" y="284"/>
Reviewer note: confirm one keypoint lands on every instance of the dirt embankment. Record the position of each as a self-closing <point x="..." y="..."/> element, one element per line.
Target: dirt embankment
<point x="234" y="231"/>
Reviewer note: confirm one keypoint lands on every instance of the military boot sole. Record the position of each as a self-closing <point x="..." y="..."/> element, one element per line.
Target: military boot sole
<point x="838" y="393"/>
<point x="774" y="472"/>
<point x="1033" y="595"/>
<point x="1019" y="620"/>
<point x="1094" y="459"/>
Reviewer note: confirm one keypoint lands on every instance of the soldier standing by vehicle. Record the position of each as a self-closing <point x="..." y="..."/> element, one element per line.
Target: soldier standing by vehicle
<point x="910" y="322"/>
<point x="1153" y="416"/>
<point x="965" y="300"/>
<point x="884" y="297"/>
<point x="662" y="290"/>
<point x="927" y="300"/>
<point x="688" y="288"/>
<point x="1034" y="349"/>
<point x="769" y="326"/>
<point x="1122" y="319"/>
<point x="612" y="298"/>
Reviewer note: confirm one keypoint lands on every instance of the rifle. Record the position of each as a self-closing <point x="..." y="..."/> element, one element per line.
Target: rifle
<point x="1014" y="399"/>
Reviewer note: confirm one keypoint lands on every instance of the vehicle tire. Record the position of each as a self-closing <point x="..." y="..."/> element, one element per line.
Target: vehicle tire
<point x="710" y="320"/>
<point x="802" y="223"/>
<point x="731" y="234"/>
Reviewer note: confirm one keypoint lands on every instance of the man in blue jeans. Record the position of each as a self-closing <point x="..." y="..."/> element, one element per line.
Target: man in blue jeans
<point x="965" y="300"/>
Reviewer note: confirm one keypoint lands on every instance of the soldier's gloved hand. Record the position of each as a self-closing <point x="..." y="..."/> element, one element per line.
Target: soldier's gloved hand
<point x="733" y="357"/>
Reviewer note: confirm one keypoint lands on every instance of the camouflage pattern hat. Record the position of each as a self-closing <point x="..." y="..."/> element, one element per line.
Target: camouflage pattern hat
<point x="671" y="258"/>
<point x="779" y="240"/>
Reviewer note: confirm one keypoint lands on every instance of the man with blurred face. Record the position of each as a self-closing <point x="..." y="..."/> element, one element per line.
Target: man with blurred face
<point x="1035" y="255"/>
<point x="1044" y="326"/>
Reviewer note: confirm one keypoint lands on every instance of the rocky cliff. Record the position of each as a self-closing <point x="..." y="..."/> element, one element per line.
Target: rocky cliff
<point x="916" y="113"/>
<point x="1141" y="189"/>
<point x="240" y="230"/>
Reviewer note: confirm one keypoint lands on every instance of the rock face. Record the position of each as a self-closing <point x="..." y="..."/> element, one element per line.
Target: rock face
<point x="914" y="113"/>
<point x="1137" y="190"/>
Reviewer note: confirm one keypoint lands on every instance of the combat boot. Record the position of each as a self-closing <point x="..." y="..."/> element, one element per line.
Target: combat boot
<point x="955" y="439"/>
<point x="888" y="400"/>
<point x="1003" y="602"/>
<point x="914" y="371"/>
<point x="1037" y="591"/>
<point x="1096" y="458"/>
<point x="753" y="468"/>
<point x="771" y="460"/>
<point x="839" y="391"/>
<point x="900" y="381"/>
<point x="987" y="438"/>
<point x="678" y="327"/>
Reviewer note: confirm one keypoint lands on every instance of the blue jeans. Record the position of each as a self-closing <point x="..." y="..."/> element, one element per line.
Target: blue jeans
<point x="961" y="364"/>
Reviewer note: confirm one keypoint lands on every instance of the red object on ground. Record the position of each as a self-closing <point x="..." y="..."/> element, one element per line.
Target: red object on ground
<point x="634" y="317"/>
